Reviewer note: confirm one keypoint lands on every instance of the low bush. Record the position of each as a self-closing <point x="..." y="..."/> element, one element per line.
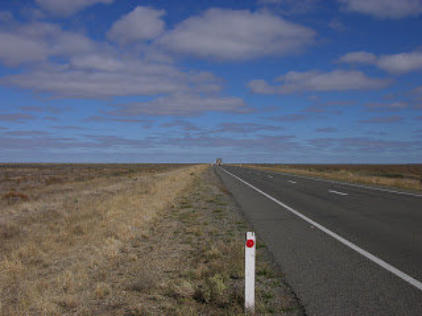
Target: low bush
<point x="13" y="196"/>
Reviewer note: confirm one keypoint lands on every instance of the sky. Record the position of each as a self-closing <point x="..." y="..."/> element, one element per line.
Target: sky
<point x="271" y="81"/>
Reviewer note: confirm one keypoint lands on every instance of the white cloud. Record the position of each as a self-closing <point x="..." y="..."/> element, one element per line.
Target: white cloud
<point x="97" y="81"/>
<point x="383" y="120"/>
<point x="5" y="16"/>
<point x="417" y="90"/>
<point x="237" y="34"/>
<point x="142" y="23"/>
<point x="67" y="7"/>
<point x="337" y="25"/>
<point x="16" y="49"/>
<point x="38" y="41"/>
<point x="336" y="80"/>
<point x="290" y="7"/>
<point x="393" y="9"/>
<point x="360" y="57"/>
<point x="366" y="144"/>
<point x="182" y="104"/>
<point x="417" y="93"/>
<point x="97" y="62"/>
<point x="100" y="75"/>
<point x="392" y="106"/>
<point x="401" y="63"/>
<point x="70" y="44"/>
<point x="245" y="128"/>
<point x="270" y="1"/>
<point x="15" y="117"/>
<point x="395" y="63"/>
<point x="89" y="69"/>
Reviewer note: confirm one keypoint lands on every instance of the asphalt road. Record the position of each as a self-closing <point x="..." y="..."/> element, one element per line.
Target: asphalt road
<point x="329" y="277"/>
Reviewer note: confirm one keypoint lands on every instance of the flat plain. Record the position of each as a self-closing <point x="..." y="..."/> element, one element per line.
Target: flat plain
<point x="117" y="239"/>
<point x="404" y="176"/>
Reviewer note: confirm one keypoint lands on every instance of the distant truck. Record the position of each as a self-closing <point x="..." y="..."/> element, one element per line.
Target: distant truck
<point x="219" y="161"/>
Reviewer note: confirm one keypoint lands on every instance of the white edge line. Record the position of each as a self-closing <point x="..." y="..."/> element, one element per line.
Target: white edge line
<point x="344" y="241"/>
<point x="338" y="192"/>
<point x="351" y="184"/>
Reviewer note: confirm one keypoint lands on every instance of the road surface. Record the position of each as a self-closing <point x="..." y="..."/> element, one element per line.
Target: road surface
<point x="345" y="249"/>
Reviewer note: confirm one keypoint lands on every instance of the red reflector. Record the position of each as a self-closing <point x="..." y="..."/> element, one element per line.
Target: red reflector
<point x="249" y="243"/>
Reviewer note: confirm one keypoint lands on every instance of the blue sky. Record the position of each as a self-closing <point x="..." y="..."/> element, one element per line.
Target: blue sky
<point x="282" y="81"/>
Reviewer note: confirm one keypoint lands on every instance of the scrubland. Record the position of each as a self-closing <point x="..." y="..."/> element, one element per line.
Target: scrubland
<point x="407" y="176"/>
<point x="126" y="240"/>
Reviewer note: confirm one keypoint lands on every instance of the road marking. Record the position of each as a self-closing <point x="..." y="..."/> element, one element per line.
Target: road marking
<point x="338" y="192"/>
<point x="344" y="241"/>
<point x="291" y="181"/>
<point x="353" y="185"/>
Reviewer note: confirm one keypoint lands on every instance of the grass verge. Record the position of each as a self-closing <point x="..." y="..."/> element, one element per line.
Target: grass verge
<point x="203" y="272"/>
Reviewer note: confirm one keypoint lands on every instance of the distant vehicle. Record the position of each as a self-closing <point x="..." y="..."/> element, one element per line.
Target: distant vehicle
<point x="219" y="161"/>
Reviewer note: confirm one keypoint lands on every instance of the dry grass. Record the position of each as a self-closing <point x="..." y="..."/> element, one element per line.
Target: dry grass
<point x="144" y="243"/>
<point x="26" y="177"/>
<point x="13" y="196"/>
<point x="397" y="176"/>
<point x="52" y="248"/>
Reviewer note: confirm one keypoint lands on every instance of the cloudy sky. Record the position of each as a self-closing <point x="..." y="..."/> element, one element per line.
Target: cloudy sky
<point x="186" y="81"/>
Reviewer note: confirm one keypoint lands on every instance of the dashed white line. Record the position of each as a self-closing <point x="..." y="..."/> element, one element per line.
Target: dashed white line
<point x="352" y="184"/>
<point x="338" y="192"/>
<point x="291" y="181"/>
<point x="368" y="255"/>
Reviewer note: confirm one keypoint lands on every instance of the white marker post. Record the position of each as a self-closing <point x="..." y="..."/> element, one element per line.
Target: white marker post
<point x="250" y="249"/>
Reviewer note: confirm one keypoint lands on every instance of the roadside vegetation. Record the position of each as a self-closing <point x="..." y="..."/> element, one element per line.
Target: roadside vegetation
<point x="152" y="241"/>
<point x="397" y="176"/>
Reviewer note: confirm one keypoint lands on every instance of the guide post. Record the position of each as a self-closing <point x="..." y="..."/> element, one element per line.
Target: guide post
<point x="250" y="249"/>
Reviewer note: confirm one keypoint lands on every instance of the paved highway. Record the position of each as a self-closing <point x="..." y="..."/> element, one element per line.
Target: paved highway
<point x="345" y="249"/>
